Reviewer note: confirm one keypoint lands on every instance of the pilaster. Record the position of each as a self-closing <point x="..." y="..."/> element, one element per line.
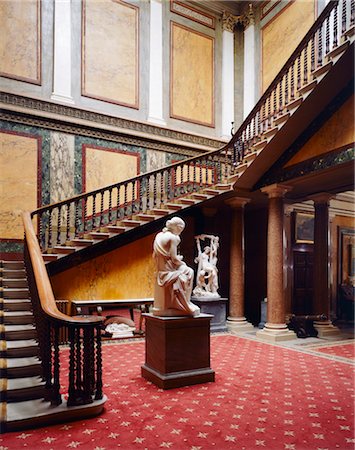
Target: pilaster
<point x="62" y="74"/>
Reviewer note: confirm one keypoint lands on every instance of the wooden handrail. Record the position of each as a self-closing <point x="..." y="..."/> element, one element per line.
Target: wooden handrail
<point x="44" y="287"/>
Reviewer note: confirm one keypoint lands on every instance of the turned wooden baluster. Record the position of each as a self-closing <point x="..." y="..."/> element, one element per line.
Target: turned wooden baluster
<point x="299" y="72"/>
<point x="140" y="193"/>
<point x="59" y="224"/>
<point x="343" y="17"/>
<point x="86" y="221"/>
<point x="94" y="211"/>
<point x="133" y="203"/>
<point x="110" y="215"/>
<point x="327" y="35"/>
<point x="352" y="13"/>
<point x="313" y="54"/>
<point x="125" y="206"/>
<point x="194" y="176"/>
<point x="68" y="222"/>
<point x="49" y="229"/>
<point x="155" y="190"/>
<point x="56" y="399"/>
<point x="169" y="184"/>
<point x="335" y="27"/>
<point x="305" y="65"/>
<point x="118" y="201"/>
<point x="98" y="395"/>
<point x="87" y="365"/>
<point x="162" y="176"/>
<point x="320" y="48"/>
<point x="280" y="97"/>
<point x="286" y="88"/>
<point x="76" y="219"/>
<point x="101" y="217"/>
<point x="292" y="82"/>
<point x="72" y="367"/>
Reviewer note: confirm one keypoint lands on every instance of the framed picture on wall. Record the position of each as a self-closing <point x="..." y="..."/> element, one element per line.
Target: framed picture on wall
<point x="304" y="228"/>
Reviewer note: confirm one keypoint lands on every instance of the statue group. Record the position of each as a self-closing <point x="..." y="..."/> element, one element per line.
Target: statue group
<point x="174" y="280"/>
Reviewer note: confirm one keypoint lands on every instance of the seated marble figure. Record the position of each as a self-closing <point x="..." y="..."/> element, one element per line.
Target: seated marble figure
<point x="174" y="280"/>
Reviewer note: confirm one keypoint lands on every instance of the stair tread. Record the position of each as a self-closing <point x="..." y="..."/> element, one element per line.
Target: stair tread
<point x="21" y="343"/>
<point x="24" y="383"/>
<point x="18" y="313"/>
<point x="18" y="327"/>
<point x="16" y="300"/>
<point x="22" y="362"/>
<point x="31" y="408"/>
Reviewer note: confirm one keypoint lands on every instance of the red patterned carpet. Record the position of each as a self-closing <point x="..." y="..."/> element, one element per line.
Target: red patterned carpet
<point x="343" y="350"/>
<point x="264" y="396"/>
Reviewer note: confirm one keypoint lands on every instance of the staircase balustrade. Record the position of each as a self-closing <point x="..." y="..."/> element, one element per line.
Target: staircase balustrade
<point x="90" y="211"/>
<point x="85" y="360"/>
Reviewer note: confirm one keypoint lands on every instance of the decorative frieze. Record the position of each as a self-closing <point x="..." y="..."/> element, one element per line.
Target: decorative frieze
<point x="193" y="14"/>
<point x="128" y="131"/>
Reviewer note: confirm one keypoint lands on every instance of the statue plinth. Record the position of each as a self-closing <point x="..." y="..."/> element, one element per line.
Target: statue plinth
<point x="177" y="350"/>
<point x="217" y="306"/>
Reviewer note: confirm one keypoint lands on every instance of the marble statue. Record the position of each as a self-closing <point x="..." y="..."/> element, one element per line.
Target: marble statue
<point x="174" y="281"/>
<point x="207" y="272"/>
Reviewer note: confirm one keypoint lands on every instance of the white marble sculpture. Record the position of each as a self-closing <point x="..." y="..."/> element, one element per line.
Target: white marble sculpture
<point x="207" y="272"/>
<point x="174" y="279"/>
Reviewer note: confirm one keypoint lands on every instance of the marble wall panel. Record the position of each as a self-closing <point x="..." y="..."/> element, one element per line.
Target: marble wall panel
<point x="293" y="22"/>
<point x="19" y="156"/>
<point x="192" y="76"/>
<point x="105" y="166"/>
<point x="61" y="167"/>
<point x="127" y="272"/>
<point x="20" y="41"/>
<point x="110" y="51"/>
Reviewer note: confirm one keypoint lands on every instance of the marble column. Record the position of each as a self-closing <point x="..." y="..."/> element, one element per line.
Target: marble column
<point x="62" y="90"/>
<point x="228" y="22"/>
<point x="236" y="320"/>
<point x="275" y="328"/>
<point x="155" y="107"/>
<point x="321" y="300"/>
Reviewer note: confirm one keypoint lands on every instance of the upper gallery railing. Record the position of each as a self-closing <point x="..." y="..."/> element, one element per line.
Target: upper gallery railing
<point x="68" y="219"/>
<point x="85" y="360"/>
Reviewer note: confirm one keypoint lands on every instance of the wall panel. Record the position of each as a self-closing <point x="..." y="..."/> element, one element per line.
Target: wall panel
<point x="281" y="36"/>
<point x="20" y="40"/>
<point x="110" y="52"/>
<point x="192" y="76"/>
<point x="19" y="181"/>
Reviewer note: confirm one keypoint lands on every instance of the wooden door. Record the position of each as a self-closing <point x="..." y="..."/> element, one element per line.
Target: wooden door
<point x="302" y="282"/>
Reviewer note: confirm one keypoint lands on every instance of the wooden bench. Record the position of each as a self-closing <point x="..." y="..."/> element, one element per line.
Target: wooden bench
<point x="83" y="307"/>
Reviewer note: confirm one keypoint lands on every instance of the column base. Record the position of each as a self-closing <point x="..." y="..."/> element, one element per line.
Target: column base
<point x="157" y="121"/>
<point x="276" y="333"/>
<point x="62" y="98"/>
<point x="326" y="329"/>
<point x="238" y="324"/>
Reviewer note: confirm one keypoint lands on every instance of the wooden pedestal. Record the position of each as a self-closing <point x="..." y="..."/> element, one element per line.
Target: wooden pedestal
<point x="177" y="350"/>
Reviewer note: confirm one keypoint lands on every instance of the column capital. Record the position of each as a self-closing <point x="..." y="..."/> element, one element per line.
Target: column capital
<point x="229" y="21"/>
<point x="237" y="202"/>
<point x="276" y="190"/>
<point x="321" y="198"/>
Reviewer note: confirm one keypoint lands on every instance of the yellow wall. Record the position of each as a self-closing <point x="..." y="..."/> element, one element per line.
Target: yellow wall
<point x="335" y="133"/>
<point x="127" y="272"/>
<point x="110" y="51"/>
<point x="18" y="182"/>
<point x="192" y="76"/>
<point x="281" y="36"/>
<point x="20" y="39"/>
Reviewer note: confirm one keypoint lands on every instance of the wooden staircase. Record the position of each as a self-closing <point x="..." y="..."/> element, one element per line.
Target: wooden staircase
<point x="317" y="71"/>
<point x="24" y="397"/>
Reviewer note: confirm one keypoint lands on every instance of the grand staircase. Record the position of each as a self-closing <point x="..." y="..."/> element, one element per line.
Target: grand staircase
<point x="94" y="223"/>
<point x="72" y="231"/>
